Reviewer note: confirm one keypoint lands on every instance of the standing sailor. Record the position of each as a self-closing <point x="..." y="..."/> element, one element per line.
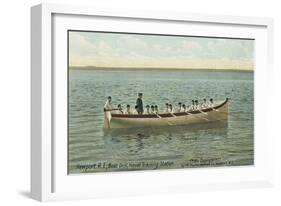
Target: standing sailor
<point x="107" y="106"/>
<point x="139" y="104"/>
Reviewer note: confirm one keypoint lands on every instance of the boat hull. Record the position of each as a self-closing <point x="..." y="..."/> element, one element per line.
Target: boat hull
<point x="218" y="113"/>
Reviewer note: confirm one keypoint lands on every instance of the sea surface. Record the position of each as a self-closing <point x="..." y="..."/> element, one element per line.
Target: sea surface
<point x="93" y="149"/>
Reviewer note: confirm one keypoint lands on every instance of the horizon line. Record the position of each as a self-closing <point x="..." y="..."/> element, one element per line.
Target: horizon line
<point x="155" y="68"/>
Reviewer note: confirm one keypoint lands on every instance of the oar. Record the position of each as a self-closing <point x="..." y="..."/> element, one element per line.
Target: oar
<point x="115" y="110"/>
<point x="197" y="116"/>
<point x="169" y="123"/>
<point x="216" y="110"/>
<point x="172" y="114"/>
<point x="203" y="112"/>
<point x="158" y="116"/>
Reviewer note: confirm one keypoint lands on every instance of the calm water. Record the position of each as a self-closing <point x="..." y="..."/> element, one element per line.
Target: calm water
<point x="92" y="149"/>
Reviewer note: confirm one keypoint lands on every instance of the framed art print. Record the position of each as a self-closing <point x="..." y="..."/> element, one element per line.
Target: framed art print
<point x="143" y="101"/>
<point x="138" y="102"/>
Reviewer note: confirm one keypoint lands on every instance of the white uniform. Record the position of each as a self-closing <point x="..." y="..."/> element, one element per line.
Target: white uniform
<point x="211" y="104"/>
<point x="127" y="112"/>
<point x="107" y="105"/>
<point x="203" y="106"/>
<point x="119" y="111"/>
<point x="191" y="108"/>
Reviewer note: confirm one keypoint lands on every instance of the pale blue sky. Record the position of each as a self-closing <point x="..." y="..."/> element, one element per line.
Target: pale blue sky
<point x="134" y="50"/>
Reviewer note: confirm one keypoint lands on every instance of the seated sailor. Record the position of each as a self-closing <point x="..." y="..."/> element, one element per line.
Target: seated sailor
<point x="204" y="105"/>
<point x="108" y="104"/>
<point x="127" y="110"/>
<point x="197" y="106"/>
<point x="211" y="103"/>
<point x="167" y="107"/>
<point x="152" y="109"/>
<point x="147" y="109"/>
<point x="192" y="106"/>
<point x="171" y="108"/>
<point x="120" y="110"/>
<point x="183" y="108"/>
<point x="156" y="109"/>
<point x="179" y="107"/>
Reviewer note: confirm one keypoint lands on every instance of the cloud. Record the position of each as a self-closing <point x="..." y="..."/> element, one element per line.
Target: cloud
<point x="191" y="45"/>
<point x="231" y="49"/>
<point x="132" y="42"/>
<point x="83" y="51"/>
<point x="124" y="50"/>
<point x="78" y="43"/>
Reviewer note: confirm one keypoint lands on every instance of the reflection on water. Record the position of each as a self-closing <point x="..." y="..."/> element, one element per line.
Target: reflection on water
<point x="221" y="126"/>
<point x="162" y="142"/>
<point x="93" y="149"/>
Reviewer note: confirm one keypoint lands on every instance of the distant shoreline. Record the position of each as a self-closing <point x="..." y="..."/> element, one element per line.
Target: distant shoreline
<point x="153" y="68"/>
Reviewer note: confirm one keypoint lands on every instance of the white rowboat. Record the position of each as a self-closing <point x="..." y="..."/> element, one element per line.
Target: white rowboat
<point x="217" y="113"/>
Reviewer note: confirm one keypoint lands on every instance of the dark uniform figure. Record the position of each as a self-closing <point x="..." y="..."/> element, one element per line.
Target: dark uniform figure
<point x="139" y="104"/>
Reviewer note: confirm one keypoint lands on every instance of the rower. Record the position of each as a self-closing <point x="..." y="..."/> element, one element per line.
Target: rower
<point x="197" y="106"/>
<point x="167" y="107"/>
<point x="179" y="108"/>
<point x="147" y="109"/>
<point x="152" y="109"/>
<point x="192" y="106"/>
<point x="183" y="108"/>
<point x="119" y="111"/>
<point x="170" y="108"/>
<point x="156" y="109"/>
<point x="211" y="103"/>
<point x="107" y="106"/>
<point x="204" y="104"/>
<point x="128" y="109"/>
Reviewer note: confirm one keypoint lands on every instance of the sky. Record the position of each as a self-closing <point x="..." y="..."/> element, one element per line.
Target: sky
<point x="154" y="51"/>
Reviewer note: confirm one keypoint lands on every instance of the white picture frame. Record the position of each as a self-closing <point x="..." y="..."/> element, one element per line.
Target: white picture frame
<point x="49" y="179"/>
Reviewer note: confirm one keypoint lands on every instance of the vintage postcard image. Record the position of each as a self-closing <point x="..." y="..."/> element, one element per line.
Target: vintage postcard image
<point x="150" y="101"/>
